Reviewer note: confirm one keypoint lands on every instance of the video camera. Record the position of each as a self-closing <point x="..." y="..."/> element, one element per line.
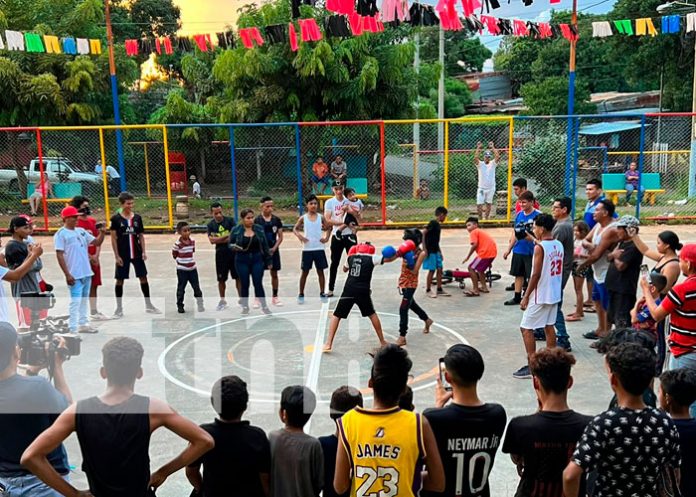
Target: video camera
<point x="522" y="230"/>
<point x="39" y="345"/>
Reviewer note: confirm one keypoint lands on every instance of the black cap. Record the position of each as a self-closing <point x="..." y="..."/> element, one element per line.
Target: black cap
<point x="18" y="222"/>
<point x="336" y="184"/>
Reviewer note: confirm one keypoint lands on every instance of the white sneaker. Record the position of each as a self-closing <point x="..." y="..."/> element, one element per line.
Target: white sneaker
<point x="257" y="304"/>
<point x="276" y="301"/>
<point x="98" y="316"/>
<point x="222" y="305"/>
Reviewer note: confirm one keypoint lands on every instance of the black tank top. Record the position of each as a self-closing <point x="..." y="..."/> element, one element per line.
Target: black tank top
<point x="115" y="442"/>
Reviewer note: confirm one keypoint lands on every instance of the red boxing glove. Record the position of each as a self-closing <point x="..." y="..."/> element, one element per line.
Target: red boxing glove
<point x="407" y="246"/>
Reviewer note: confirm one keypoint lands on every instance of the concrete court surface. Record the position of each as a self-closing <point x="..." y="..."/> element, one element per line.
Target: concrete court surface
<point x="185" y="354"/>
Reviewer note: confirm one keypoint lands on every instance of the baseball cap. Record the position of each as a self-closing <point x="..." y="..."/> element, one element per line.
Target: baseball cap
<point x="18" y="222"/>
<point x="27" y="217"/>
<point x="688" y="253"/>
<point x="627" y="222"/>
<point x="192" y="177"/>
<point x="336" y="184"/>
<point x="488" y="154"/>
<point x="8" y="342"/>
<point x="69" y="211"/>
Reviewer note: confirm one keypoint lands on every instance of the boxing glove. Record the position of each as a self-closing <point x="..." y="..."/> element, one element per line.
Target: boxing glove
<point x="407" y="246"/>
<point x="388" y="252"/>
<point x="410" y="259"/>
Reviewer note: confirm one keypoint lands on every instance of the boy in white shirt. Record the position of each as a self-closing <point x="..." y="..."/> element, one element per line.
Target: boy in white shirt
<point x="309" y="229"/>
<point x="196" y="187"/>
<point x="540" y="301"/>
<point x="485" y="193"/>
<point x="71" y="245"/>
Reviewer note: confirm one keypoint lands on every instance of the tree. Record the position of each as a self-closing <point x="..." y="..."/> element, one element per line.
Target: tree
<point x="549" y="97"/>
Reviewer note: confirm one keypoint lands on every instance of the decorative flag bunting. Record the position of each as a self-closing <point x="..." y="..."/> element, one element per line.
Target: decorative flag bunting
<point x="36" y="43"/>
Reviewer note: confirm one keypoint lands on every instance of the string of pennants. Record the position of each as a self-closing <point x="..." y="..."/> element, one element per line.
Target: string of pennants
<point x="17" y="41"/>
<point x="671" y="24"/>
<point x="343" y="24"/>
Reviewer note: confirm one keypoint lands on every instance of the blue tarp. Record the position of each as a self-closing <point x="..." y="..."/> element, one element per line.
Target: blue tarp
<point x="608" y="127"/>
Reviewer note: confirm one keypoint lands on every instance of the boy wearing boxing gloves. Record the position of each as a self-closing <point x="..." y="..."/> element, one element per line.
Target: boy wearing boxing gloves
<point x="413" y="257"/>
<point x="359" y="266"/>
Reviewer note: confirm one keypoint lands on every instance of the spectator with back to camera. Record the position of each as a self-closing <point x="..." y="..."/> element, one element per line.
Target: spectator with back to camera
<point x="114" y="431"/>
<point x="28" y="405"/>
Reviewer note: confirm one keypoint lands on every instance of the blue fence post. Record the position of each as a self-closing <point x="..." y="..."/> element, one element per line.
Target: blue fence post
<point x="233" y="165"/>
<point x="569" y="159"/>
<point x="641" y="156"/>
<point x="298" y="153"/>
<point x="576" y="139"/>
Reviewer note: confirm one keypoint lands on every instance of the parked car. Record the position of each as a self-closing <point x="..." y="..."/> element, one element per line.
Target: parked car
<point x="58" y="170"/>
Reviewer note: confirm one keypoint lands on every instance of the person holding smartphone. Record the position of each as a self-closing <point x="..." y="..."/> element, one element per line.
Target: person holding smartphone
<point x="622" y="276"/>
<point x="468" y="431"/>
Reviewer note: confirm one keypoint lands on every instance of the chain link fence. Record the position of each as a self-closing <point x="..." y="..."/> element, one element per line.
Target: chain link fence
<point x="402" y="170"/>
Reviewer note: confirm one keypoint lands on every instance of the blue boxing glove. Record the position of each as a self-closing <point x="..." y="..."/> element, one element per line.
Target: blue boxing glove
<point x="388" y="252"/>
<point x="410" y="259"/>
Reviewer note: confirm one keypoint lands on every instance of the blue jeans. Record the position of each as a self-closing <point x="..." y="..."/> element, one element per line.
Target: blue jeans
<point x="561" y="331"/>
<point x="79" y="300"/>
<point x="250" y="264"/>
<point x="630" y="189"/>
<point x="687" y="361"/>
<point x="27" y="486"/>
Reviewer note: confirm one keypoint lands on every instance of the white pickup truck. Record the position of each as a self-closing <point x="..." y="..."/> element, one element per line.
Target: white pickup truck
<point x="58" y="170"/>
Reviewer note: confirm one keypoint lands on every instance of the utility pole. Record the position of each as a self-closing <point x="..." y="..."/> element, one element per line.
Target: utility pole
<point x="114" y="95"/>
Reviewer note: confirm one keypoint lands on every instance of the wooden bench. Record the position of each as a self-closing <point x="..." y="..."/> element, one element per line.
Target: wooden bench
<point x="614" y="184"/>
<point x="357" y="184"/>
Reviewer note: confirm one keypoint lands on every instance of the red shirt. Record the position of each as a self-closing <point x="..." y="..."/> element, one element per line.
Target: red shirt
<point x="680" y="303"/>
<point x="89" y="225"/>
<point x="518" y="207"/>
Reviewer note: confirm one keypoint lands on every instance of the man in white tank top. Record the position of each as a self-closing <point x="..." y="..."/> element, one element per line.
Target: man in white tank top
<point x="313" y="232"/>
<point x="540" y="302"/>
<point x="600" y="241"/>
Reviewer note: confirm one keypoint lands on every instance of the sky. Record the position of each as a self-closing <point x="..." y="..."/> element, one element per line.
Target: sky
<point x="210" y="16"/>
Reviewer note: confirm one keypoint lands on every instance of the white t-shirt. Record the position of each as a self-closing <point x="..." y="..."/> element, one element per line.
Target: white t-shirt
<point x="4" y="314"/>
<point x="313" y="232"/>
<point x="548" y="290"/>
<point x="357" y="205"/>
<point x="486" y="175"/>
<point x="196" y="188"/>
<point x="334" y="208"/>
<point x="73" y="244"/>
<point x="601" y="265"/>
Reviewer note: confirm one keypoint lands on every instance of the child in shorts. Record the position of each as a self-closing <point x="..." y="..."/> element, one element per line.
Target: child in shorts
<point x="580" y="253"/>
<point x="309" y="229"/>
<point x="408" y="284"/>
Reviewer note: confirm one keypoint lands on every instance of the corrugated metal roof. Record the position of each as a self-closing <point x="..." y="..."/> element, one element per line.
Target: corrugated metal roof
<point x="608" y="128"/>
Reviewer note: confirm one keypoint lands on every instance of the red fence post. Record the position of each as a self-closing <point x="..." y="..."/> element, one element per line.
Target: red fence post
<point x="383" y="172"/>
<point x="42" y="178"/>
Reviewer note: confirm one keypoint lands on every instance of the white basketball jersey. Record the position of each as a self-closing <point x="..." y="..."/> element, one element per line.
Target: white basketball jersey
<point x="548" y="290"/>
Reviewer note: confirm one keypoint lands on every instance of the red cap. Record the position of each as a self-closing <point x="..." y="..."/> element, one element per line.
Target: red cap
<point x="27" y="217"/>
<point x="69" y="211"/>
<point x="688" y="253"/>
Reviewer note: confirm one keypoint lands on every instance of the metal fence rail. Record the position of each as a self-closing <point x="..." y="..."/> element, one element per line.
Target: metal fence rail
<point x="402" y="170"/>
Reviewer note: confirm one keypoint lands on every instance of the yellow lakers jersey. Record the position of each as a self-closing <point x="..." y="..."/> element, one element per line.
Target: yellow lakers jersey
<point x="383" y="449"/>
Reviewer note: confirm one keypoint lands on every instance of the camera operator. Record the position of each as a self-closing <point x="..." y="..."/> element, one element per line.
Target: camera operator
<point x="28" y="405"/>
<point x="14" y="275"/>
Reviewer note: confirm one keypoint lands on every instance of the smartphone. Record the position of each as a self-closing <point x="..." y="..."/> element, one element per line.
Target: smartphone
<point x="644" y="272"/>
<point x="99" y="226"/>
<point x="237" y="248"/>
<point x="441" y="370"/>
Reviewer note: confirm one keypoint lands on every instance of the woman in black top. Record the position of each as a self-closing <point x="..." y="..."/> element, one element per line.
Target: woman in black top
<point x="249" y="242"/>
<point x="666" y="256"/>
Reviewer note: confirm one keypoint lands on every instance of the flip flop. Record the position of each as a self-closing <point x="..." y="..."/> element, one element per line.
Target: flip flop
<point x="591" y="310"/>
<point x="573" y="317"/>
<point x="469" y="293"/>
<point x="484" y="291"/>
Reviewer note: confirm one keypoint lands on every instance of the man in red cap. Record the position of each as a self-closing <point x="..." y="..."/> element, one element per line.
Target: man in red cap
<point x="680" y="306"/>
<point x="71" y="244"/>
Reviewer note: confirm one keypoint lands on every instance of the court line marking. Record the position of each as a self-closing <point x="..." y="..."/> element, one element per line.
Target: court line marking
<point x="162" y="364"/>
<point x="312" y="380"/>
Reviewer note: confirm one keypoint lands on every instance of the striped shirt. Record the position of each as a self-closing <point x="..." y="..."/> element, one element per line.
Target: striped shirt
<point x="680" y="303"/>
<point x="182" y="251"/>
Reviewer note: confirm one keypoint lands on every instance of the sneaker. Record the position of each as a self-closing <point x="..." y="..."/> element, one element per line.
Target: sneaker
<point x="442" y="293"/>
<point x="201" y="307"/>
<point x="522" y="374"/>
<point x="300" y="299"/>
<point x="180" y="309"/>
<point x="152" y="310"/>
<point x="564" y="343"/>
<point x="324" y="297"/>
<point x="118" y="314"/>
<point x="87" y="329"/>
<point x="257" y="304"/>
<point x="431" y="294"/>
<point x="222" y="305"/>
<point x="330" y="294"/>
<point x="276" y="301"/>
<point x="98" y="316"/>
<point x="512" y="301"/>
<point x="510" y="288"/>
<point x="266" y="311"/>
<point x="539" y="335"/>
<point x="245" y="310"/>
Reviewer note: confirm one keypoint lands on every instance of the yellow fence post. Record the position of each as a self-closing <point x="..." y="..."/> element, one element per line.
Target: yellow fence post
<point x="166" y="169"/>
<point x="147" y="170"/>
<point x="511" y="144"/>
<point x="105" y="180"/>
<point x="446" y="182"/>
